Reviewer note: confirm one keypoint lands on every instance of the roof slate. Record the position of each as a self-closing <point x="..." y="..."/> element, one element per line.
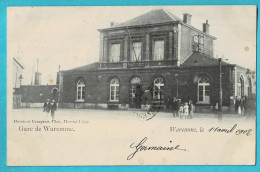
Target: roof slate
<point x="200" y="59"/>
<point x="151" y="17"/>
<point x="89" y="67"/>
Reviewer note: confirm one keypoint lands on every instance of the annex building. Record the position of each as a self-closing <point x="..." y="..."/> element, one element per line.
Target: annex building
<point x="159" y="51"/>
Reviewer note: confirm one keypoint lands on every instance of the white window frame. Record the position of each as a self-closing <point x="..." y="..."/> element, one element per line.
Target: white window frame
<point x="158" y="86"/>
<point x="136" y="51"/>
<point x="81" y="87"/>
<point x="115" y="52"/>
<point x="160" y="50"/>
<point x="204" y="83"/>
<point x="198" y="43"/>
<point x="114" y="83"/>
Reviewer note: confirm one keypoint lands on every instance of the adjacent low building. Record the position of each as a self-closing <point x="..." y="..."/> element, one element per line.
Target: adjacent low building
<point x="18" y="68"/>
<point x="35" y="95"/>
<point x="155" y="51"/>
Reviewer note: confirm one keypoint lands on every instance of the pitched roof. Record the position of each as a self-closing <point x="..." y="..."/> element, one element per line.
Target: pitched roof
<point x="200" y="59"/>
<point x="151" y="17"/>
<point x="89" y="67"/>
<point x="17" y="60"/>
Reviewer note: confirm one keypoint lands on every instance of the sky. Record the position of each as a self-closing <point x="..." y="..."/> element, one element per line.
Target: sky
<point x="68" y="36"/>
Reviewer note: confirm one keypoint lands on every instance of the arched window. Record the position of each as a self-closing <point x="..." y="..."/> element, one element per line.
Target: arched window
<point x="80" y="90"/>
<point x="114" y="90"/>
<point x="158" y="88"/>
<point x="204" y="90"/>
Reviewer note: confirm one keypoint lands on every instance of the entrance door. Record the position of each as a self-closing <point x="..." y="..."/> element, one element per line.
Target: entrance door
<point x="135" y="96"/>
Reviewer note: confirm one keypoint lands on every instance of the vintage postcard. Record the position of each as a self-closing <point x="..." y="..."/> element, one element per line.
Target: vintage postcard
<point x="131" y="85"/>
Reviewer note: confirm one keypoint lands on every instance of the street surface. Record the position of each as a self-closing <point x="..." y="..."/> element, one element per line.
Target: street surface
<point x="93" y="114"/>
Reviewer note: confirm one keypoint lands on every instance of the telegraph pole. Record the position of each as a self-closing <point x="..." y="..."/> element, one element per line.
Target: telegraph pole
<point x="220" y="89"/>
<point x="177" y="85"/>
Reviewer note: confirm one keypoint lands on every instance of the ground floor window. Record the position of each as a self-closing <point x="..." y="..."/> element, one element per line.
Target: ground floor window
<point x="114" y="90"/>
<point x="204" y="90"/>
<point x="80" y="90"/>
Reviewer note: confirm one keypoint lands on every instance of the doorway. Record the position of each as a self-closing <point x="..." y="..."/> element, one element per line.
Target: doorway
<point x="136" y="93"/>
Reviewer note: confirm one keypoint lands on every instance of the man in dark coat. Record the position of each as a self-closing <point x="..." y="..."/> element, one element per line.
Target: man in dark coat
<point x="53" y="109"/>
<point x="236" y="105"/>
<point x="174" y="107"/>
<point x="178" y="104"/>
<point x="46" y="107"/>
<point x="168" y="104"/>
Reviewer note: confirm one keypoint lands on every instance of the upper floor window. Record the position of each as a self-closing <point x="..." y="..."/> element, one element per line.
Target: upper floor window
<point x="80" y="90"/>
<point x="198" y="43"/>
<point x="136" y="51"/>
<point x="114" y="90"/>
<point x="114" y="52"/>
<point x="158" y="52"/>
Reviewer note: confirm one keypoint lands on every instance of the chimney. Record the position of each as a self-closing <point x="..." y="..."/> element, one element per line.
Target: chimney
<point x="206" y="27"/>
<point x="37" y="80"/>
<point x="113" y="23"/>
<point x="187" y="18"/>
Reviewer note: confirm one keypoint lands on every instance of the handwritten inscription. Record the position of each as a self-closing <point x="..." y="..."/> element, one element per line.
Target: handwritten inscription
<point x="141" y="147"/>
<point x="216" y="129"/>
<point x="233" y="129"/>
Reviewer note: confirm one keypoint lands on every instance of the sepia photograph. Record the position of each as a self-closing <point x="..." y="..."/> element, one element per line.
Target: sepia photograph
<point x="131" y="85"/>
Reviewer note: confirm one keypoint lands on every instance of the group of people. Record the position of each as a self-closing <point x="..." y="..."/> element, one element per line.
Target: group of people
<point x="245" y="105"/>
<point x="50" y="106"/>
<point x="180" y="109"/>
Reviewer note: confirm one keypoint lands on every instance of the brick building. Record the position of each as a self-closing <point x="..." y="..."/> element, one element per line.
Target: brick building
<point x="154" y="50"/>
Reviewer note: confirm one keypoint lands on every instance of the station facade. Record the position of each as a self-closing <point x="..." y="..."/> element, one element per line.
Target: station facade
<point x="155" y="51"/>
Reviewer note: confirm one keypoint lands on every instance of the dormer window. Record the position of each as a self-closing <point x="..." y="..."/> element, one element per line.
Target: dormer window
<point x="114" y="52"/>
<point x="198" y="43"/>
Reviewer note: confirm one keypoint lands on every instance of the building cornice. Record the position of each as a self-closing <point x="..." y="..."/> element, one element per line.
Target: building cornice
<point x="157" y="24"/>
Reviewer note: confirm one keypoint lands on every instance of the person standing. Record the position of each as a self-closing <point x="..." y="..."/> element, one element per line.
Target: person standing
<point x="190" y="109"/>
<point x="236" y="105"/>
<point x="53" y="109"/>
<point x="174" y="107"/>
<point x="178" y="104"/>
<point x="245" y="105"/>
<point x="46" y="108"/>
<point x="181" y="111"/>
<point x="239" y="111"/>
<point x="168" y="104"/>
<point x="186" y="110"/>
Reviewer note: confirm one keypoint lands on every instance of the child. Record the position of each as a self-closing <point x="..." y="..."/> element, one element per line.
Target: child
<point x="185" y="110"/>
<point x="190" y="109"/>
<point x="181" y="111"/>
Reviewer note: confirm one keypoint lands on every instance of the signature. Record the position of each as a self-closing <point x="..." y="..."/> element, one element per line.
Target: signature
<point x="141" y="147"/>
